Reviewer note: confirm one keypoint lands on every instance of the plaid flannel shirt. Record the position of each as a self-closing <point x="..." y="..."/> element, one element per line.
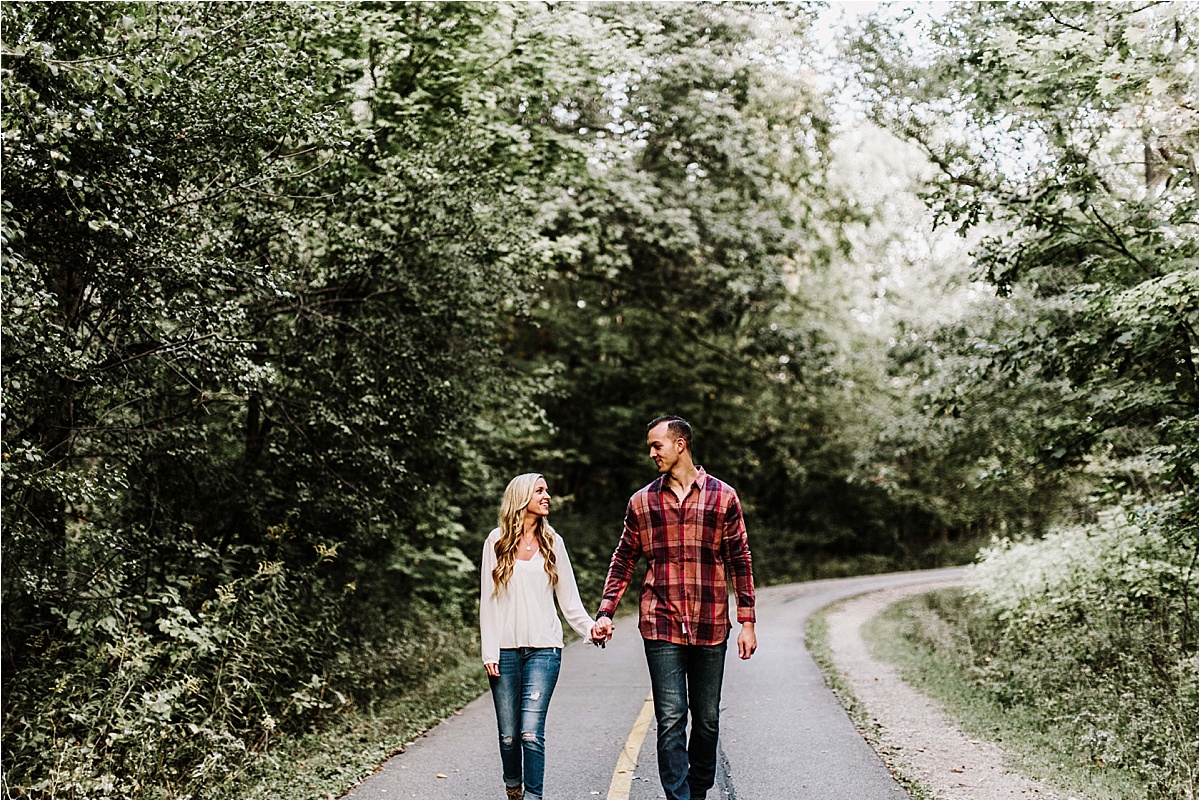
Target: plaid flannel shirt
<point x="693" y="548"/>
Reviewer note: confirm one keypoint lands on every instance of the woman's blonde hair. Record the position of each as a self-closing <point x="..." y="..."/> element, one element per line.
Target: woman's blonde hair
<point x="517" y="496"/>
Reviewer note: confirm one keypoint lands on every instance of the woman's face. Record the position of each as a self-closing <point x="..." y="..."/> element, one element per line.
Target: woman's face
<point x="539" y="504"/>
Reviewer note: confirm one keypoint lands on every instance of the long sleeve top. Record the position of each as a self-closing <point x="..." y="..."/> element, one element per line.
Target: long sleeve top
<point x="522" y="615"/>
<point x="694" y="549"/>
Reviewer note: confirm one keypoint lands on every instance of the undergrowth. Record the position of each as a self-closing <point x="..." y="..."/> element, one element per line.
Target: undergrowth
<point x="248" y="698"/>
<point x="329" y="762"/>
<point x="1046" y="710"/>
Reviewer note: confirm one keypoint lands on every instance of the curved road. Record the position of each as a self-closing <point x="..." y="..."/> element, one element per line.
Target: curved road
<point x="783" y="733"/>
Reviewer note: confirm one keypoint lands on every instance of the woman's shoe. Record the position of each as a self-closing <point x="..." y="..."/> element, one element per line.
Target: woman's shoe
<point x="516" y="792"/>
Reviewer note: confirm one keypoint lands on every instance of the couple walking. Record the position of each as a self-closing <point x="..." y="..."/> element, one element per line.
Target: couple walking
<point x="688" y="525"/>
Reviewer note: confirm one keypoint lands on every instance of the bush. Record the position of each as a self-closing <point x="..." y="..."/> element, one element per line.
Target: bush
<point x="138" y="696"/>
<point x="1095" y="627"/>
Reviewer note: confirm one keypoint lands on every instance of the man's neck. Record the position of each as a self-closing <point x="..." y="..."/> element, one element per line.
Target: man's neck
<point x="681" y="477"/>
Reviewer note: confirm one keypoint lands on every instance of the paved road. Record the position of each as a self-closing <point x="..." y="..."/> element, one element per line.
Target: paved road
<point x="783" y="733"/>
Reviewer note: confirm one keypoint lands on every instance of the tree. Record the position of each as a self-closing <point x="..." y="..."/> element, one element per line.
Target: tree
<point x="1073" y="133"/>
<point x="134" y="135"/>
<point x="247" y="339"/>
<point x="1066" y="134"/>
<point x="675" y="258"/>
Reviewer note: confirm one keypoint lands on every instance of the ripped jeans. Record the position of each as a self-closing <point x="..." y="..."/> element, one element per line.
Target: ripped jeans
<point x="522" y="696"/>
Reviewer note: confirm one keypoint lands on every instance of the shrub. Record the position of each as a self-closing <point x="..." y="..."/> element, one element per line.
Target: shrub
<point x="138" y="696"/>
<point x="1094" y="627"/>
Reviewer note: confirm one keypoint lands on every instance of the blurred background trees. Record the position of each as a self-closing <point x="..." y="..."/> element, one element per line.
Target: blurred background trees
<point x="292" y="290"/>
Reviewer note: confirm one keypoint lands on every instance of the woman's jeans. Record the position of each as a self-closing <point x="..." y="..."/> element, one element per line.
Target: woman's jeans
<point x="686" y="677"/>
<point x="522" y="696"/>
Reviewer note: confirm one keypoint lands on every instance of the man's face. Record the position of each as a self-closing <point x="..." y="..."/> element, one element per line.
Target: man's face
<point x="664" y="448"/>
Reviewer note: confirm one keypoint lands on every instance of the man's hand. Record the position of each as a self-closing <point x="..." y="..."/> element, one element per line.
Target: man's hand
<point x="747" y="642"/>
<point x="603" y="630"/>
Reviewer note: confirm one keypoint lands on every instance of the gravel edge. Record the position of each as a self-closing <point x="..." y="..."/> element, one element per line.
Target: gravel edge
<point x="915" y="735"/>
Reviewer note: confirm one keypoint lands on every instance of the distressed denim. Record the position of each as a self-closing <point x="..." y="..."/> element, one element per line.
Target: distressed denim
<point x="686" y="678"/>
<point x="521" y="694"/>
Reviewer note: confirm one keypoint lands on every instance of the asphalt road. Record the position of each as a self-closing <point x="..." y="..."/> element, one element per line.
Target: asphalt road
<point x="783" y="733"/>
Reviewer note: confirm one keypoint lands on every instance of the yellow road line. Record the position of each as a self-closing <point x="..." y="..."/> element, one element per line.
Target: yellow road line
<point x="622" y="778"/>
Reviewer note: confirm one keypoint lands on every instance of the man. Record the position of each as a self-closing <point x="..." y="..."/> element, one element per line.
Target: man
<point x="689" y="527"/>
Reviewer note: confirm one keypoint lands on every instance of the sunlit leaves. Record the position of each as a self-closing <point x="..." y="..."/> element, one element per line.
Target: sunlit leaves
<point x="1079" y="123"/>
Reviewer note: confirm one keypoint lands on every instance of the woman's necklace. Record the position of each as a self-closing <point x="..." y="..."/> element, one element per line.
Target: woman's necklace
<point x="529" y="545"/>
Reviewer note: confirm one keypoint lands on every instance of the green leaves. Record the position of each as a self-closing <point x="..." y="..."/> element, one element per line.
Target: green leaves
<point x="1067" y="142"/>
<point x="672" y="244"/>
<point x="141" y="138"/>
<point x="1087" y="624"/>
<point x="1063" y="138"/>
<point x="292" y="290"/>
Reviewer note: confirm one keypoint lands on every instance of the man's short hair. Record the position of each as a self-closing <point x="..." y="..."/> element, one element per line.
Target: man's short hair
<point x="679" y="428"/>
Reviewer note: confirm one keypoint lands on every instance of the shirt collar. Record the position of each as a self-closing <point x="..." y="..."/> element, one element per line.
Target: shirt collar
<point x="697" y="482"/>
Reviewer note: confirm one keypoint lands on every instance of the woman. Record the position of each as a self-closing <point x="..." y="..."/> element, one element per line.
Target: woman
<point x="525" y="566"/>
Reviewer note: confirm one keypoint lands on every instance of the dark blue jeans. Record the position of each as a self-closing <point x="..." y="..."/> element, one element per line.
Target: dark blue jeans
<point x="522" y="696"/>
<point x="686" y="677"/>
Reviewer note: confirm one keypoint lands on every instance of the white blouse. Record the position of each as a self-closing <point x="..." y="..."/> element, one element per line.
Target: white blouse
<point x="523" y="614"/>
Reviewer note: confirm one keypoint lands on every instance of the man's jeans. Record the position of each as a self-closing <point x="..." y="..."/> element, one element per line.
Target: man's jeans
<point x="522" y="696"/>
<point x="686" y="677"/>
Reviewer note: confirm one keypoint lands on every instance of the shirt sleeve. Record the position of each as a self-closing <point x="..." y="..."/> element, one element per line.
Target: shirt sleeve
<point x="567" y="592"/>
<point x="736" y="552"/>
<point x="624" y="560"/>
<point x="489" y="606"/>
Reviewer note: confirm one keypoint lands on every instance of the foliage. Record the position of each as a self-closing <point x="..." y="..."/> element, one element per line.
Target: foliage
<point x="288" y="290"/>
<point x="1069" y="133"/>
<point x="1096" y="625"/>
<point x="939" y="452"/>
<point x="131" y="134"/>
<point x="687" y="274"/>
<point x="207" y="294"/>
<point x="933" y="639"/>
<point x="327" y="762"/>
<point x="1064" y="142"/>
<point x="291" y="290"/>
<point x="124" y="711"/>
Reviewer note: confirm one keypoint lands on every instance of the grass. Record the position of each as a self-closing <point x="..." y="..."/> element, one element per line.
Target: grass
<point x="925" y="648"/>
<point x="326" y="763"/>
<point x="817" y="641"/>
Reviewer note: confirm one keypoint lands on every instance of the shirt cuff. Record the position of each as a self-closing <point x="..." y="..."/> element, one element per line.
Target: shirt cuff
<point x="745" y="614"/>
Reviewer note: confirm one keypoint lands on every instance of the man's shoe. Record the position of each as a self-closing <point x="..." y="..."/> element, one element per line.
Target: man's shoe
<point x="516" y="792"/>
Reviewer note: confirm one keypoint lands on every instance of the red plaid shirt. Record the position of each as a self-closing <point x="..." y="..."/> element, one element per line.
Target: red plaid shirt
<point x="693" y="548"/>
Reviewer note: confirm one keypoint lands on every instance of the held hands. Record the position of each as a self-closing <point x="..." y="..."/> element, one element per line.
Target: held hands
<point x="492" y="668"/>
<point x="602" y="631"/>
<point x="747" y="641"/>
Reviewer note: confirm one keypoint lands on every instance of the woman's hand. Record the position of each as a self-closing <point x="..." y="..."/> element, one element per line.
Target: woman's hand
<point x="602" y="631"/>
<point x="493" y="669"/>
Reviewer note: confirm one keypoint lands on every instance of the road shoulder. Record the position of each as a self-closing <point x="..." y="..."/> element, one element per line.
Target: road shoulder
<point x="913" y="732"/>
